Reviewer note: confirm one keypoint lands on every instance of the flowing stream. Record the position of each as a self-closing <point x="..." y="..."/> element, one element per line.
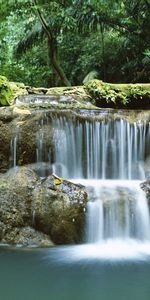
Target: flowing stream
<point x="105" y="149"/>
<point x="111" y="159"/>
<point x="119" y="210"/>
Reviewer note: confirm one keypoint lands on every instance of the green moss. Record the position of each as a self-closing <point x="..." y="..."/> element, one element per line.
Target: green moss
<point x="59" y="106"/>
<point x="6" y="93"/>
<point x="119" y="95"/>
<point x="3" y="185"/>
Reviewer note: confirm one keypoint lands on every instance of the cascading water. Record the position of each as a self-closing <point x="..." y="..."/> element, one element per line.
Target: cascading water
<point x="13" y="147"/>
<point x="105" y="151"/>
<point x="110" y="158"/>
<point x="119" y="210"/>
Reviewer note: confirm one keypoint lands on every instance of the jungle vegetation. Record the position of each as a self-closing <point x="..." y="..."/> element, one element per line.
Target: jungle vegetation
<point x="66" y="42"/>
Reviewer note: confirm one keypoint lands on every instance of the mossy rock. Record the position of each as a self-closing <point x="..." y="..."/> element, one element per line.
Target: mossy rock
<point x="131" y="96"/>
<point x="6" y="93"/>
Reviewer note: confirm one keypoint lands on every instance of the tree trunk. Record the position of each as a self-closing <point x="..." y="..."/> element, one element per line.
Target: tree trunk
<point x="53" y="78"/>
<point x="51" y="47"/>
<point x="103" y="51"/>
<point x="54" y="62"/>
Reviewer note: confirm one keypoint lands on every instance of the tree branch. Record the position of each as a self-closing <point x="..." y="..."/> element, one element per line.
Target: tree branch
<point x="51" y="48"/>
<point x="43" y="21"/>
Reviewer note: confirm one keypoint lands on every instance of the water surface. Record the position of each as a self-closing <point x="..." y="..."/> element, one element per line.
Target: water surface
<point x="73" y="273"/>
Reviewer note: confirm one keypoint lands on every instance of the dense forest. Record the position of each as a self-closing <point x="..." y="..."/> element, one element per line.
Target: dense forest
<point x="66" y="42"/>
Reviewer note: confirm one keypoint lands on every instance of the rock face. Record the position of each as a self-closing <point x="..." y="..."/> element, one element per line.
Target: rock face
<point x="95" y="93"/>
<point x="22" y="130"/>
<point x="19" y="134"/>
<point x="66" y="97"/>
<point x="6" y="92"/>
<point x="130" y="96"/>
<point x="59" y="210"/>
<point x="40" y="212"/>
<point x="5" y="142"/>
<point x="146" y="188"/>
<point x="34" y="210"/>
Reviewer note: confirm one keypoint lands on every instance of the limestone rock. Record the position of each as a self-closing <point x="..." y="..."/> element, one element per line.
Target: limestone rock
<point x="131" y="96"/>
<point x="35" y="211"/>
<point x="60" y="210"/>
<point x="16" y="196"/>
<point x="146" y="188"/>
<point x="6" y="92"/>
<point x="27" y="236"/>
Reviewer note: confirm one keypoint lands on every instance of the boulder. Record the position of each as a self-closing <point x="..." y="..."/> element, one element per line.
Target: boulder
<point x="16" y="197"/>
<point x="28" y="136"/>
<point x="35" y="211"/>
<point x="20" y="131"/>
<point x="131" y="96"/>
<point x="59" y="210"/>
<point x="27" y="236"/>
<point x="145" y="186"/>
<point x="6" y="92"/>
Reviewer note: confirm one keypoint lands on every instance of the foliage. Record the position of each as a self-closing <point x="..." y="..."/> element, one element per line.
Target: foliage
<point x="119" y="95"/>
<point x="108" y="37"/>
<point x="6" y="93"/>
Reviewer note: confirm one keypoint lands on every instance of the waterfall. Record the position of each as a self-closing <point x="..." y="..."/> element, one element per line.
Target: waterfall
<point x="118" y="209"/>
<point x="100" y="149"/>
<point x="109" y="158"/>
<point x="13" y="147"/>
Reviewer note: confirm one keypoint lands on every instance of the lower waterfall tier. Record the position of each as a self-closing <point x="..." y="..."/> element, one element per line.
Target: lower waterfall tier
<point x="117" y="209"/>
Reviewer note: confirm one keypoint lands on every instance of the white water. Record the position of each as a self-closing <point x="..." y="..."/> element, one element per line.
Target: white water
<point x="106" y="149"/>
<point x="109" y="157"/>
<point x="118" y="210"/>
<point x="114" y="250"/>
<point x="118" y="221"/>
<point x="13" y="146"/>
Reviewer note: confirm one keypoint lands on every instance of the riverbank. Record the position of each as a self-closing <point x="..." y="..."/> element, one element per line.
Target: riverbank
<point x="93" y="95"/>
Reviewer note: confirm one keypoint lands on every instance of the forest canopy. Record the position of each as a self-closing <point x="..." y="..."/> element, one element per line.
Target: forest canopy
<point x="67" y="42"/>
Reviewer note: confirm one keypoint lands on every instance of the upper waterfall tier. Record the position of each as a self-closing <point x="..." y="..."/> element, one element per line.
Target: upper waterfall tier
<point x="75" y="146"/>
<point x="100" y="149"/>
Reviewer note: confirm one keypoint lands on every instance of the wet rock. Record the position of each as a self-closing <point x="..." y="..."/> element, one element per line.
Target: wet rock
<point x="27" y="236"/>
<point x="23" y="129"/>
<point x="2" y="230"/>
<point x="20" y="133"/>
<point x="5" y="144"/>
<point x="16" y="197"/>
<point x="37" y="211"/>
<point x="60" y="210"/>
<point x="6" y="92"/>
<point x="146" y="188"/>
<point x="130" y="96"/>
<point x="15" y="202"/>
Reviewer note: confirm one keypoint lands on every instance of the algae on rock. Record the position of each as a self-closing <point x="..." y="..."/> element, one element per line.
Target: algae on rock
<point x="95" y="94"/>
<point x="131" y="96"/>
<point x="38" y="211"/>
<point x="6" y="92"/>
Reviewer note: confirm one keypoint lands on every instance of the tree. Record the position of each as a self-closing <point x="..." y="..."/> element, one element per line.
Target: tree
<point x="52" y="45"/>
<point x="58" y="42"/>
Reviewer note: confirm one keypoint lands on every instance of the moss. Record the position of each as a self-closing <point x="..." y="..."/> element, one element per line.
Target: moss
<point x="6" y="93"/>
<point x="61" y="106"/>
<point x="94" y="94"/>
<point x="3" y="185"/>
<point x="18" y="88"/>
<point x="119" y="95"/>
